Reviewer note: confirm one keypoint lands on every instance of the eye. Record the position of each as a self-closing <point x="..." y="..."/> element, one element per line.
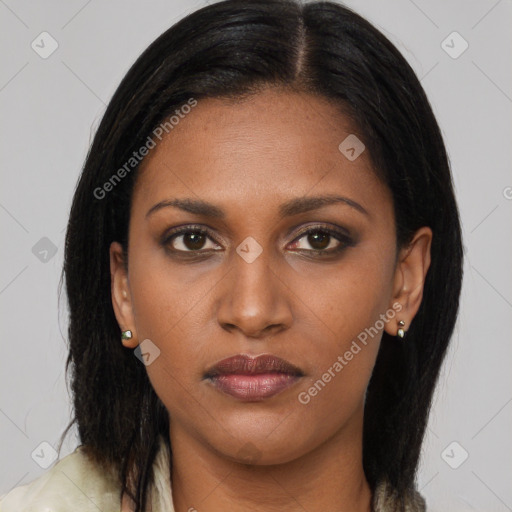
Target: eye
<point x="190" y="239"/>
<point x="321" y="239"/>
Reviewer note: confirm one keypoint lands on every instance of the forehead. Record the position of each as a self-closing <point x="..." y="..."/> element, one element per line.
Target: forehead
<point x="257" y="148"/>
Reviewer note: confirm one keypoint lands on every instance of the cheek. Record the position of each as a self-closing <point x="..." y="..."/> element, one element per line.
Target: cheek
<point x="168" y="311"/>
<point x="172" y="306"/>
<point x="166" y="297"/>
<point x="345" y="308"/>
<point x="346" y="298"/>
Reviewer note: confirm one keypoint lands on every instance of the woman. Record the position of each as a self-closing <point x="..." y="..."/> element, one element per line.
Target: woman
<point x="266" y="221"/>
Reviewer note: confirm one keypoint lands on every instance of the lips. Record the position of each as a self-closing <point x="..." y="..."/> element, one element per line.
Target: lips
<point x="253" y="378"/>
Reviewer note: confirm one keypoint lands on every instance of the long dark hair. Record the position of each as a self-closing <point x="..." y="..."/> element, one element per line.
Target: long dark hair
<point x="231" y="49"/>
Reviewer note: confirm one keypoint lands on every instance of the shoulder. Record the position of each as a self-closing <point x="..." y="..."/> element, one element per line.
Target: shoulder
<point x="73" y="483"/>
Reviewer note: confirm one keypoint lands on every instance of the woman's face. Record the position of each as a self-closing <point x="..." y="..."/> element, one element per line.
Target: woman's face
<point x="284" y="268"/>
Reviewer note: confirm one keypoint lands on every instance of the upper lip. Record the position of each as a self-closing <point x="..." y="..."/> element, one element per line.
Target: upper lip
<point x="242" y="364"/>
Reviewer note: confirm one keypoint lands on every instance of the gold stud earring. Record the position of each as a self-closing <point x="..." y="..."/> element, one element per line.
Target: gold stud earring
<point x="126" y="335"/>
<point x="401" y="331"/>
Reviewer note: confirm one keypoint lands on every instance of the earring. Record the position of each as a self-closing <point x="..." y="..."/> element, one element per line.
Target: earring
<point x="126" y="335"/>
<point x="401" y="332"/>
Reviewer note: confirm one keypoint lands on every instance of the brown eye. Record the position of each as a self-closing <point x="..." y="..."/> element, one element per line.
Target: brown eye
<point x="321" y="240"/>
<point x="190" y="240"/>
<point x="194" y="241"/>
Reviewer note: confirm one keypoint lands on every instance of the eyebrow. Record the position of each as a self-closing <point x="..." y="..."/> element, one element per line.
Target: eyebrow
<point x="287" y="209"/>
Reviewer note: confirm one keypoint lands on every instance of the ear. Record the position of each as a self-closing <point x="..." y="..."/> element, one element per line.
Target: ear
<point x="409" y="279"/>
<point x="120" y="291"/>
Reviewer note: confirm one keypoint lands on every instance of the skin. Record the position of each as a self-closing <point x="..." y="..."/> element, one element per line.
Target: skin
<point x="248" y="158"/>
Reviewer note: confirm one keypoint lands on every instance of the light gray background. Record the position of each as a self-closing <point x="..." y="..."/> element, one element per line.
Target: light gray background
<point x="50" y="109"/>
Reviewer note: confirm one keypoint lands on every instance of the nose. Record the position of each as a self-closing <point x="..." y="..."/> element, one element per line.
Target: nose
<point x="253" y="299"/>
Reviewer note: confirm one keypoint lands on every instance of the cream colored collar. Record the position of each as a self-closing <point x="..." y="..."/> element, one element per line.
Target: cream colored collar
<point x="76" y="483"/>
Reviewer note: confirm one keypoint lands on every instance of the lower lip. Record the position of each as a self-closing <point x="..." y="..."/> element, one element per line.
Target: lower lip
<point x="252" y="388"/>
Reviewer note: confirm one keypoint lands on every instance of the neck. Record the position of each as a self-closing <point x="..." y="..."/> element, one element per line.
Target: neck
<point x="330" y="477"/>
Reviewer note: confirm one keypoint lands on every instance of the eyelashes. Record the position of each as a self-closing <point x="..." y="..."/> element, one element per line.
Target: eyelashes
<point x="319" y="235"/>
<point x="196" y="240"/>
<point x="199" y="235"/>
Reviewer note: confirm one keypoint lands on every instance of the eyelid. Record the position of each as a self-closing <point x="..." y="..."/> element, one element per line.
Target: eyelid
<point x="323" y="226"/>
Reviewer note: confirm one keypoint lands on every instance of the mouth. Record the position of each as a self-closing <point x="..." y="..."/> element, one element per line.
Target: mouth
<point x="253" y="379"/>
